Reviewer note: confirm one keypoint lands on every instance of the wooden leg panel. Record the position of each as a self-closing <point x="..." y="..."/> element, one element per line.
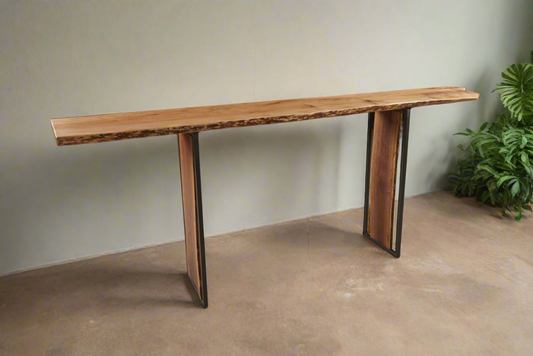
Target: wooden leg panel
<point x="192" y="213"/>
<point x="384" y="163"/>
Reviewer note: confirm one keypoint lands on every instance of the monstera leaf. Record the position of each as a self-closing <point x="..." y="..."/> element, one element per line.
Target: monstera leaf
<point x="516" y="90"/>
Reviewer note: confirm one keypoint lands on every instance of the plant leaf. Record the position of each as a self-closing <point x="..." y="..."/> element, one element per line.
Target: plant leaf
<point x="516" y="90"/>
<point x="503" y="179"/>
<point x="515" y="188"/>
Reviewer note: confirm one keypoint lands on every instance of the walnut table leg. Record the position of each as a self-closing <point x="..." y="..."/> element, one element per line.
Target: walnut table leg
<point x="192" y="212"/>
<point x="384" y="131"/>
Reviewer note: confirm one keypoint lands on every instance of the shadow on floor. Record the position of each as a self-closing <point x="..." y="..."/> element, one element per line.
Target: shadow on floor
<point x="89" y="284"/>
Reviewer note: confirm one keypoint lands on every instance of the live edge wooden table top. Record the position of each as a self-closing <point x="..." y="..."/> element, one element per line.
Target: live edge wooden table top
<point x="388" y="129"/>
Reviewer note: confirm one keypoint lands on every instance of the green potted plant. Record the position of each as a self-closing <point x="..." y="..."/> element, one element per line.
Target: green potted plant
<point x="498" y="164"/>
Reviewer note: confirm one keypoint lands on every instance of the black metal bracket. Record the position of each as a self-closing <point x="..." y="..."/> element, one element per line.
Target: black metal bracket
<point x="200" y="216"/>
<point x="401" y="189"/>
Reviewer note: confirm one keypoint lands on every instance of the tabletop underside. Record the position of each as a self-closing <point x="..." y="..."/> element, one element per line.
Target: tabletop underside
<point x="120" y="126"/>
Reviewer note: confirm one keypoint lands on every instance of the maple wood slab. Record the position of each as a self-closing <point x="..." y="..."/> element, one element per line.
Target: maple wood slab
<point x="120" y="126"/>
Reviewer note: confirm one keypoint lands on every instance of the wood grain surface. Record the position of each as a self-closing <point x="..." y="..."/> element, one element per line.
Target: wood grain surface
<point x="190" y="219"/>
<point x="383" y="167"/>
<point x="113" y="127"/>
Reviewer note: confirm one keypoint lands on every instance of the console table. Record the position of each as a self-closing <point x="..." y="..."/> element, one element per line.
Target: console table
<point x="388" y="120"/>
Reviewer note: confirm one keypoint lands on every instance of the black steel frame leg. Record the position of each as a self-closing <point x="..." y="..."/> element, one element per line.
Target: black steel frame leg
<point x="401" y="189"/>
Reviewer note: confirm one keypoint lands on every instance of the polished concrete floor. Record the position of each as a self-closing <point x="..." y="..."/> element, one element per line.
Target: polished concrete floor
<point x="463" y="286"/>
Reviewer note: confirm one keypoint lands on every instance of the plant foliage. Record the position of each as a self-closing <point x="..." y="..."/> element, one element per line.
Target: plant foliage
<point x="498" y="166"/>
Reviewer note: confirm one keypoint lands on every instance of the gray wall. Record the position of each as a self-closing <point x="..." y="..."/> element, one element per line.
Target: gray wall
<point x="66" y="58"/>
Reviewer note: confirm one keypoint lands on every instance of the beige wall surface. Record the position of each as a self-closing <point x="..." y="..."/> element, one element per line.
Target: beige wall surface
<point x="65" y="58"/>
